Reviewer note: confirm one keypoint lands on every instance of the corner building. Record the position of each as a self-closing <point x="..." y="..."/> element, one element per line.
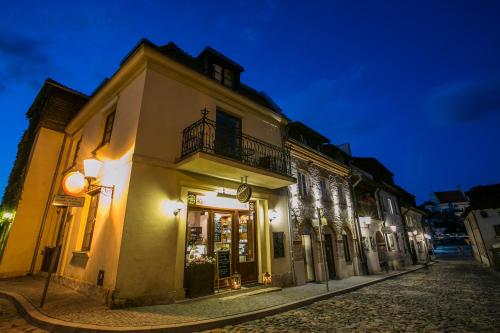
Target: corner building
<point x="176" y="136"/>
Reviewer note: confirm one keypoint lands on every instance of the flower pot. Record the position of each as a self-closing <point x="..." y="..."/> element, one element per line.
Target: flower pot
<point x="199" y="280"/>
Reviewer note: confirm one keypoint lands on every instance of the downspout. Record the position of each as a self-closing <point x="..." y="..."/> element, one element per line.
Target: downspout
<point x="364" y="260"/>
<point x="290" y="230"/>
<point x="47" y="205"/>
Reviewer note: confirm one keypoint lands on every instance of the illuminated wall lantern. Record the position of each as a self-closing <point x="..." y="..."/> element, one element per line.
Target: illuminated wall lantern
<point x="74" y="183"/>
<point x="236" y="281"/>
<point x="273" y="215"/>
<point x="427" y="236"/>
<point x="410" y="233"/>
<point x="393" y="228"/>
<point x="92" y="168"/>
<point x="415" y="232"/>
<point x="178" y="207"/>
<point x="267" y="279"/>
<point x="367" y="220"/>
<point x="8" y="216"/>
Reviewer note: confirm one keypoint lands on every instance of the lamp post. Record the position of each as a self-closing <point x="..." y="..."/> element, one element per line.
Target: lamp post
<point x="323" y="251"/>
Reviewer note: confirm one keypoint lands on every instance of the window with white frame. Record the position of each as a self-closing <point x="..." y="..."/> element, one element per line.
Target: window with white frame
<point x="302" y="184"/>
<point x="324" y="189"/>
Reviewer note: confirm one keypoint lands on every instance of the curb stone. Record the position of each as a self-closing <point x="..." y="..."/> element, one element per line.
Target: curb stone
<point x="29" y="312"/>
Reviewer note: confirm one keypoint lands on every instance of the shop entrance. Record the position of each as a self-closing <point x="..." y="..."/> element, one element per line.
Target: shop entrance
<point x="329" y="256"/>
<point x="308" y="257"/>
<point x="212" y="230"/>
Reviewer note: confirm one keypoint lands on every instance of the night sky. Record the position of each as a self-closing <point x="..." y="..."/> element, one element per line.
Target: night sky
<point x="414" y="84"/>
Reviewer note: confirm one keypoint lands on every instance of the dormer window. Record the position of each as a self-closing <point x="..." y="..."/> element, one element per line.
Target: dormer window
<point x="228" y="78"/>
<point x="217" y="72"/>
<point x="223" y="75"/>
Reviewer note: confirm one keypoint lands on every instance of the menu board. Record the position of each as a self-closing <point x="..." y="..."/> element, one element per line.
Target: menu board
<point x="223" y="264"/>
<point x="279" y="244"/>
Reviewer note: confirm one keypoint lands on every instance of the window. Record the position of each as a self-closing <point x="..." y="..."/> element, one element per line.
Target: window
<point x="217" y="72"/>
<point x="302" y="184"/>
<point x="341" y="194"/>
<point x="77" y="149"/>
<point x="497" y="230"/>
<point x="91" y="218"/>
<point x="108" y="128"/>
<point x="347" y="252"/>
<point x="228" y="78"/>
<point x="390" y="206"/>
<point x="324" y="189"/>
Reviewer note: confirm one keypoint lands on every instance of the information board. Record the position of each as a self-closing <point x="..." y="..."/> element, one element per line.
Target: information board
<point x="223" y="264"/>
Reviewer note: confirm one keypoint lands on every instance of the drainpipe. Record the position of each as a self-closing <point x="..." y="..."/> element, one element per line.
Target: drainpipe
<point x="290" y="232"/>
<point x="47" y="206"/>
<point x="364" y="261"/>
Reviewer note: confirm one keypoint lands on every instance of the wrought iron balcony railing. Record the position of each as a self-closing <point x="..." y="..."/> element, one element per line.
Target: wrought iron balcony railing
<point x="206" y="136"/>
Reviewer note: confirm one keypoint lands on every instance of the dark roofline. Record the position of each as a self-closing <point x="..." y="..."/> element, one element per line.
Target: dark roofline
<point x="372" y="158"/>
<point x="311" y="131"/>
<point x="225" y="58"/>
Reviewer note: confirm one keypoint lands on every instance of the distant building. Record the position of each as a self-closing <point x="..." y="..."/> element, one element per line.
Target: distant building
<point x="450" y="201"/>
<point x="382" y="228"/>
<point x="482" y="221"/>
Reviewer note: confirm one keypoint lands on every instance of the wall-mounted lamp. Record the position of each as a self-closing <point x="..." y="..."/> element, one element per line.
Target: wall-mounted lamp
<point x="393" y="228"/>
<point x="415" y="232"/>
<point x="273" y="215"/>
<point x="427" y="236"/>
<point x="178" y="207"/>
<point x="8" y="216"/>
<point x="365" y="219"/>
<point x="92" y="168"/>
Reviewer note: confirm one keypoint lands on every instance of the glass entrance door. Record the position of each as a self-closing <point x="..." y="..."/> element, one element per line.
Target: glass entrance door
<point x="246" y="247"/>
<point x="308" y="257"/>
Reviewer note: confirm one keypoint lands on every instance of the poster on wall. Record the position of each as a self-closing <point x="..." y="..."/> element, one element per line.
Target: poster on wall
<point x="279" y="244"/>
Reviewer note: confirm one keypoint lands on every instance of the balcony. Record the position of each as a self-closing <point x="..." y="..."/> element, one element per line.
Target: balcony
<point x="214" y="150"/>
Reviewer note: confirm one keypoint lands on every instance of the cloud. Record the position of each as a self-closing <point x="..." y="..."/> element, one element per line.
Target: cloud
<point x="22" y="58"/>
<point x="463" y="102"/>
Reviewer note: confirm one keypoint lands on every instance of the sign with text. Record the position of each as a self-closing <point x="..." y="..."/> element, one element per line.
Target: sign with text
<point x="387" y="230"/>
<point x="65" y="200"/>
<point x="223" y="264"/>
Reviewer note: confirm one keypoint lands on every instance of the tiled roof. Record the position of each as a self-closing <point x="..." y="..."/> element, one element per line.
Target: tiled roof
<point x="450" y="196"/>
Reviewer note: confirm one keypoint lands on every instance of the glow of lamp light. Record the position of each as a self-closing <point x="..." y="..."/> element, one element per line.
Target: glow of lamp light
<point x="393" y="228"/>
<point x="92" y="167"/>
<point x="273" y="215"/>
<point x="73" y="183"/>
<point x="415" y="232"/>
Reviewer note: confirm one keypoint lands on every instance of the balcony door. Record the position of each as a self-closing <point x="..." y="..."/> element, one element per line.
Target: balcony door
<point x="228" y="135"/>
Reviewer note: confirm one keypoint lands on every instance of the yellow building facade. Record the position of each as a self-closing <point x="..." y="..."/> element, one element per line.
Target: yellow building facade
<point x="167" y="188"/>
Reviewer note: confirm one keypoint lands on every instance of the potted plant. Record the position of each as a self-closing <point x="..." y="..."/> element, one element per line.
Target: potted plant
<point x="199" y="276"/>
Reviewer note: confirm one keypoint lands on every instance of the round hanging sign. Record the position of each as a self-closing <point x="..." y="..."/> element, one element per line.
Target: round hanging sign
<point x="74" y="183"/>
<point x="244" y="193"/>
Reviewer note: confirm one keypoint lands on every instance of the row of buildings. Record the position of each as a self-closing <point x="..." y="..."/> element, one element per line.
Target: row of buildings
<point x="174" y="160"/>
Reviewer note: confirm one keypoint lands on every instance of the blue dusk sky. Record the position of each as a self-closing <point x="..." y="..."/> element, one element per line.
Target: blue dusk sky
<point x="415" y="84"/>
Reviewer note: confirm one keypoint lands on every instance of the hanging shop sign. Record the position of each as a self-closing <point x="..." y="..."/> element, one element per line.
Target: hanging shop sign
<point x="244" y="193"/>
<point x="65" y="200"/>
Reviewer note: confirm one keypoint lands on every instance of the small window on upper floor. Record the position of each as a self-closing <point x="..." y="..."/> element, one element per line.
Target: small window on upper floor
<point x="302" y="184"/>
<point x="341" y="195"/>
<point x="324" y="189"/>
<point x="228" y="78"/>
<point x="217" y="72"/>
<point x="108" y="128"/>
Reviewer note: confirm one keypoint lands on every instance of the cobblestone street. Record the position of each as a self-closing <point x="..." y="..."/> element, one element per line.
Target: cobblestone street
<point x="12" y="322"/>
<point x="452" y="296"/>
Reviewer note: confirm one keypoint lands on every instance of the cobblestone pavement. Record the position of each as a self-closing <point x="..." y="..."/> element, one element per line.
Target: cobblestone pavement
<point x="66" y="304"/>
<point x="452" y="296"/>
<point x="11" y="322"/>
